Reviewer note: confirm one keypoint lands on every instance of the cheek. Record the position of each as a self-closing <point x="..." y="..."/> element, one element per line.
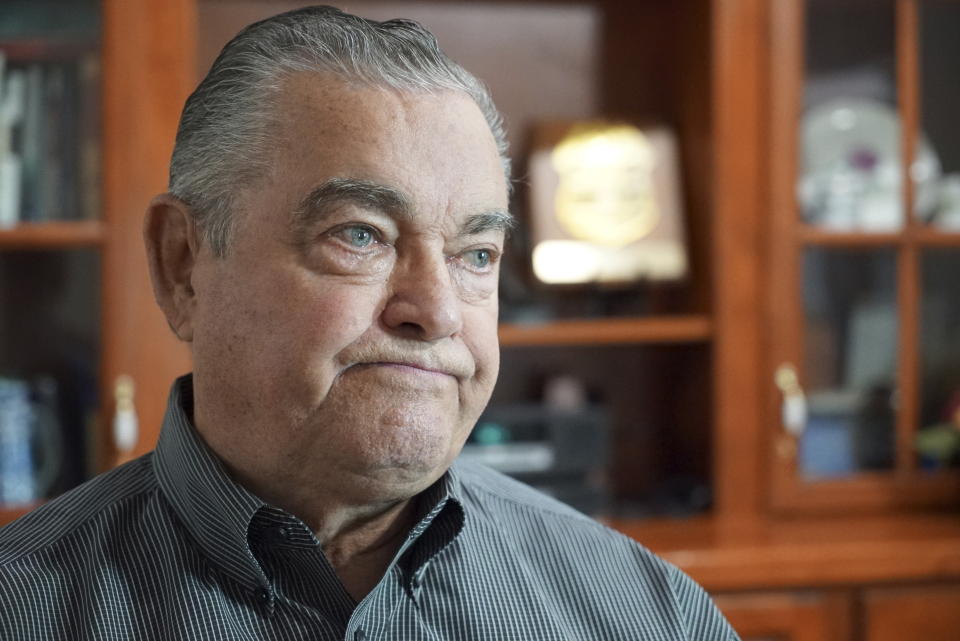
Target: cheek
<point x="480" y="336"/>
<point x="282" y="329"/>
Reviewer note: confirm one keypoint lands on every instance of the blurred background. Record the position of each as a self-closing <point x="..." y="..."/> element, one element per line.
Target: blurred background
<point x="730" y="319"/>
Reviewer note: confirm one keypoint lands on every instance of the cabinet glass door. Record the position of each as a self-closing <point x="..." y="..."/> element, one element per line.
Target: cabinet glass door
<point x="938" y="441"/>
<point x="865" y="351"/>
<point x="51" y="230"/>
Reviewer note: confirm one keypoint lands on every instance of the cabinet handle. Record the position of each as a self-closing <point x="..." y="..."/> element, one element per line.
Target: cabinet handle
<point x="125" y="426"/>
<point x="793" y="408"/>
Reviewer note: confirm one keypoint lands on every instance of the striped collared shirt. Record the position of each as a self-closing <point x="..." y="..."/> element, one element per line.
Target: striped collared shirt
<point x="169" y="547"/>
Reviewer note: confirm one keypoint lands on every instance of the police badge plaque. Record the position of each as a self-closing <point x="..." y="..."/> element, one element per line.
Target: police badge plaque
<point x="605" y="204"/>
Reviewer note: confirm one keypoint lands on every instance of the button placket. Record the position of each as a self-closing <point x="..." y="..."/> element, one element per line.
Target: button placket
<point x="264" y="599"/>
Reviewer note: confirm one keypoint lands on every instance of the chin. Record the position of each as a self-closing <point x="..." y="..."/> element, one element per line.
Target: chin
<point x="414" y="454"/>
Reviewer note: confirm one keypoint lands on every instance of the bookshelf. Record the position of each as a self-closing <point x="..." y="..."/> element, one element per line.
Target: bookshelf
<point x="77" y="302"/>
<point x="52" y="235"/>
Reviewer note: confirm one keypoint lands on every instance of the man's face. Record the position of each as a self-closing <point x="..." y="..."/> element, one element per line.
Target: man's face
<point x="350" y="333"/>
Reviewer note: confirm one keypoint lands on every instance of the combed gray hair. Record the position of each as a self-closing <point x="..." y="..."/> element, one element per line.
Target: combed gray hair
<point x="224" y="129"/>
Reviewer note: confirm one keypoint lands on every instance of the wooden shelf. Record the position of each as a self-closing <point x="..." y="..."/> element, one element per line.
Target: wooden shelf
<point x="52" y="235"/>
<point x="607" y="331"/>
<point x="739" y="554"/>
<point x="829" y="238"/>
<point x="45" y="50"/>
<point x="921" y="235"/>
<point x="932" y="237"/>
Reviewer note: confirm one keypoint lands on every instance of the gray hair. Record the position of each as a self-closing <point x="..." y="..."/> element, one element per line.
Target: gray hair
<point x="223" y="133"/>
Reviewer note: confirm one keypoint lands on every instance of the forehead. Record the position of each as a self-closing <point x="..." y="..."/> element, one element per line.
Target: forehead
<point x="433" y="146"/>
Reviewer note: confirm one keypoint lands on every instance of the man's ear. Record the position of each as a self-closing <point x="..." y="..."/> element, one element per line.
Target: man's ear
<point x="172" y="247"/>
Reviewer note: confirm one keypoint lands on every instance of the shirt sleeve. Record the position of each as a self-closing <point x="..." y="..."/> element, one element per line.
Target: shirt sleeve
<point x="701" y="618"/>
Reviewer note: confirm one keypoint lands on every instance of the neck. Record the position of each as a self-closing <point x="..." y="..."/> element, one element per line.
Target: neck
<point x="363" y="546"/>
<point x="361" y="521"/>
<point x="359" y="538"/>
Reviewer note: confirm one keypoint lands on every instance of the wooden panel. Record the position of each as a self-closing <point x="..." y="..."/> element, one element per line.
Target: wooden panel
<point x="737" y="96"/>
<point x="869" y="492"/>
<point x="788" y="616"/>
<point x="908" y="264"/>
<point x="148" y="66"/>
<point x="930" y="613"/>
<point x="783" y="306"/>
<point x="694" y="106"/>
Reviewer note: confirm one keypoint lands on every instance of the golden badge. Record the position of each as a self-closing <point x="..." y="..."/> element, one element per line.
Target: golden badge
<point x="606" y="190"/>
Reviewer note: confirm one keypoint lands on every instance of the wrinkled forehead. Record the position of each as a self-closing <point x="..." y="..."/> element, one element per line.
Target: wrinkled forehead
<point x="434" y="149"/>
<point x="335" y="128"/>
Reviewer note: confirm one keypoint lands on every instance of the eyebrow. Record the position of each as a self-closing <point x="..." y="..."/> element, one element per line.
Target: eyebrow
<point x="493" y="220"/>
<point x="389" y="200"/>
<point x="362" y="192"/>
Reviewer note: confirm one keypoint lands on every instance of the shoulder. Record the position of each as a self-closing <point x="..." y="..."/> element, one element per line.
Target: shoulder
<point x="531" y="534"/>
<point x="543" y="524"/>
<point x="481" y="484"/>
<point x="94" y="504"/>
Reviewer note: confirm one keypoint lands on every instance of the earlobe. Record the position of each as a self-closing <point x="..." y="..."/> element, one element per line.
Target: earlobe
<point x="172" y="250"/>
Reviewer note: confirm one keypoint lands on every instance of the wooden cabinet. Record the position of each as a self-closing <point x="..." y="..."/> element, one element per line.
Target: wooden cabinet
<point x="689" y="371"/>
<point x="144" y="54"/>
<point x="860" y="241"/>
<point x="929" y="612"/>
<point x="788" y="616"/>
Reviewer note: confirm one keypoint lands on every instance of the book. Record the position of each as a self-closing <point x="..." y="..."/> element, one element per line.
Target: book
<point x="12" y="97"/>
<point x="49" y="140"/>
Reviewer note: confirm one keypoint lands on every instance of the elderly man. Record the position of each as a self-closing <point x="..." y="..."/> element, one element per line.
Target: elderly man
<point x="329" y="250"/>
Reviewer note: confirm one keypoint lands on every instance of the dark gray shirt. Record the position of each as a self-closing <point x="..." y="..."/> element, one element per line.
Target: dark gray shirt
<point x="169" y="547"/>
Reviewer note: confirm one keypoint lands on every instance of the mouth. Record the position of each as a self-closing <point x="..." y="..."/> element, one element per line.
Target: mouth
<point x="412" y="366"/>
<point x="409" y="367"/>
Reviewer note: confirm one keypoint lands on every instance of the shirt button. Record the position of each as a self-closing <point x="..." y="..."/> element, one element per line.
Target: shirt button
<point x="262" y="595"/>
<point x="283" y="533"/>
<point x="359" y="635"/>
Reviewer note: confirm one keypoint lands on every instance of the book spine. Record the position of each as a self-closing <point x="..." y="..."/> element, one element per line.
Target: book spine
<point x="32" y="144"/>
<point x="88" y="138"/>
<point x="12" y="95"/>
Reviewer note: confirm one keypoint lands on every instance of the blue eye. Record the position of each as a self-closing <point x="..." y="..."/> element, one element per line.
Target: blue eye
<point x="359" y="236"/>
<point x="479" y="258"/>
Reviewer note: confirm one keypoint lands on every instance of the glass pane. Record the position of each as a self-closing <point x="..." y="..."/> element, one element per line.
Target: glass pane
<point x="938" y="442"/>
<point x="617" y="430"/>
<point x="49" y="111"/>
<point x="850" y="361"/>
<point x="940" y="103"/>
<point x="49" y="357"/>
<point x="849" y="134"/>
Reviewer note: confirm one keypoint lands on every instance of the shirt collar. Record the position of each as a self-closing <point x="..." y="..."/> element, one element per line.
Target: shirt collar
<point x="220" y="513"/>
<point x="211" y="505"/>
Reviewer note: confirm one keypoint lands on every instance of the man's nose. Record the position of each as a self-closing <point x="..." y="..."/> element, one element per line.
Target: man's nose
<point x="423" y="301"/>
